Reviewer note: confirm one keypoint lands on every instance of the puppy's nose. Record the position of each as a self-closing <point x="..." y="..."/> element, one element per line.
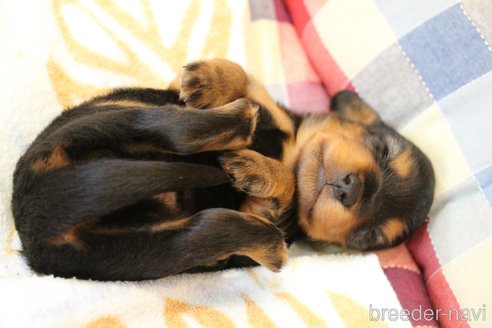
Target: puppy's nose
<point x="346" y="189"/>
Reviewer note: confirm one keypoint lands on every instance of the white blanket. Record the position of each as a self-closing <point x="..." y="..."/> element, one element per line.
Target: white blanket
<point x="311" y="291"/>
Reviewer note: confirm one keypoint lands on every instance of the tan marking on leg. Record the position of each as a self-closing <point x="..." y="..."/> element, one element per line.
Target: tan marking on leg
<point x="176" y="224"/>
<point x="57" y="159"/>
<point x="393" y="228"/>
<point x="230" y="140"/>
<point x="272" y="257"/>
<point x="170" y="225"/>
<point x="218" y="142"/>
<point x="71" y="236"/>
<point x="167" y="198"/>
<point x="124" y="104"/>
<point x="402" y="165"/>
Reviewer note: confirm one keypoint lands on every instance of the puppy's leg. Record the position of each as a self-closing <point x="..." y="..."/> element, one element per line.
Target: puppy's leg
<point x="211" y="83"/>
<point x="171" y="247"/>
<point x="166" y="128"/>
<point x="269" y="183"/>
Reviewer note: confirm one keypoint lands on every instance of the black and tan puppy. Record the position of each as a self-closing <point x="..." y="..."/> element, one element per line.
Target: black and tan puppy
<point x="211" y="173"/>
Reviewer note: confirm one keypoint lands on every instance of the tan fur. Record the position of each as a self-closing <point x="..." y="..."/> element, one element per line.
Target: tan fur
<point x="328" y="148"/>
<point x="167" y="198"/>
<point x="219" y="81"/>
<point x="393" y="228"/>
<point x="257" y="92"/>
<point x="170" y="225"/>
<point x="330" y="222"/>
<point x="71" y="236"/>
<point x="402" y="165"/>
<point x="123" y="104"/>
<point x="313" y="126"/>
<point x="226" y="141"/>
<point x="274" y="183"/>
<point x="57" y="159"/>
<point x="273" y="258"/>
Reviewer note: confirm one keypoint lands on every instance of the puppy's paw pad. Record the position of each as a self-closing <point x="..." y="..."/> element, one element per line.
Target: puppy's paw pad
<point x="195" y="82"/>
<point x="220" y="82"/>
<point x="243" y="172"/>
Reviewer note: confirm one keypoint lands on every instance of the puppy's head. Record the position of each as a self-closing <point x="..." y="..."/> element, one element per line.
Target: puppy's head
<point x="360" y="183"/>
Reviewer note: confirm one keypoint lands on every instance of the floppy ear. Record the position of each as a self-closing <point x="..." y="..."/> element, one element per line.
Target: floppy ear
<point x="386" y="234"/>
<point x="351" y="107"/>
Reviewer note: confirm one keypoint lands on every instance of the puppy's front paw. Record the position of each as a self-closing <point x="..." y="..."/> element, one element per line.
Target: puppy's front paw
<point x="244" y="170"/>
<point x="212" y="83"/>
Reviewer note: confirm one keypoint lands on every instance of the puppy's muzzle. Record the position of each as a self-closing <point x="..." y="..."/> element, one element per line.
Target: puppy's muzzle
<point x="346" y="189"/>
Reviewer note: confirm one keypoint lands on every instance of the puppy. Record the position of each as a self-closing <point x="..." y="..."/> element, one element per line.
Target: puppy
<point x="208" y="174"/>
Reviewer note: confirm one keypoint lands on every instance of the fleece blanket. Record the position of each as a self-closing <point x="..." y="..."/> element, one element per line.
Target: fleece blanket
<point x="312" y="291"/>
<point x="56" y="53"/>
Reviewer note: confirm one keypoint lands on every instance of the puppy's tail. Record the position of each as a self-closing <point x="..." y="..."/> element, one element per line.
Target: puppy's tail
<point x="72" y="194"/>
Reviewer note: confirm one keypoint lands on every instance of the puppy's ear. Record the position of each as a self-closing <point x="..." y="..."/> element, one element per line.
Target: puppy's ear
<point x="351" y="107"/>
<point x="372" y="236"/>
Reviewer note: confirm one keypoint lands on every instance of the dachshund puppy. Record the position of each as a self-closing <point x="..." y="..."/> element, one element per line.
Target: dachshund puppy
<point x="208" y="174"/>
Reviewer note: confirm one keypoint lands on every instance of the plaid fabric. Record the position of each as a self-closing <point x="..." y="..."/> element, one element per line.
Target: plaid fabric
<point x="426" y="66"/>
<point x="276" y="57"/>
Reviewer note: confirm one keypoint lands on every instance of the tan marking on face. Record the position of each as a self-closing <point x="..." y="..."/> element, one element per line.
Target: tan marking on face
<point x="330" y="222"/>
<point x="326" y="158"/>
<point x="321" y="125"/>
<point x="331" y="148"/>
<point x="393" y="228"/>
<point x="402" y="165"/>
<point x="57" y="159"/>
